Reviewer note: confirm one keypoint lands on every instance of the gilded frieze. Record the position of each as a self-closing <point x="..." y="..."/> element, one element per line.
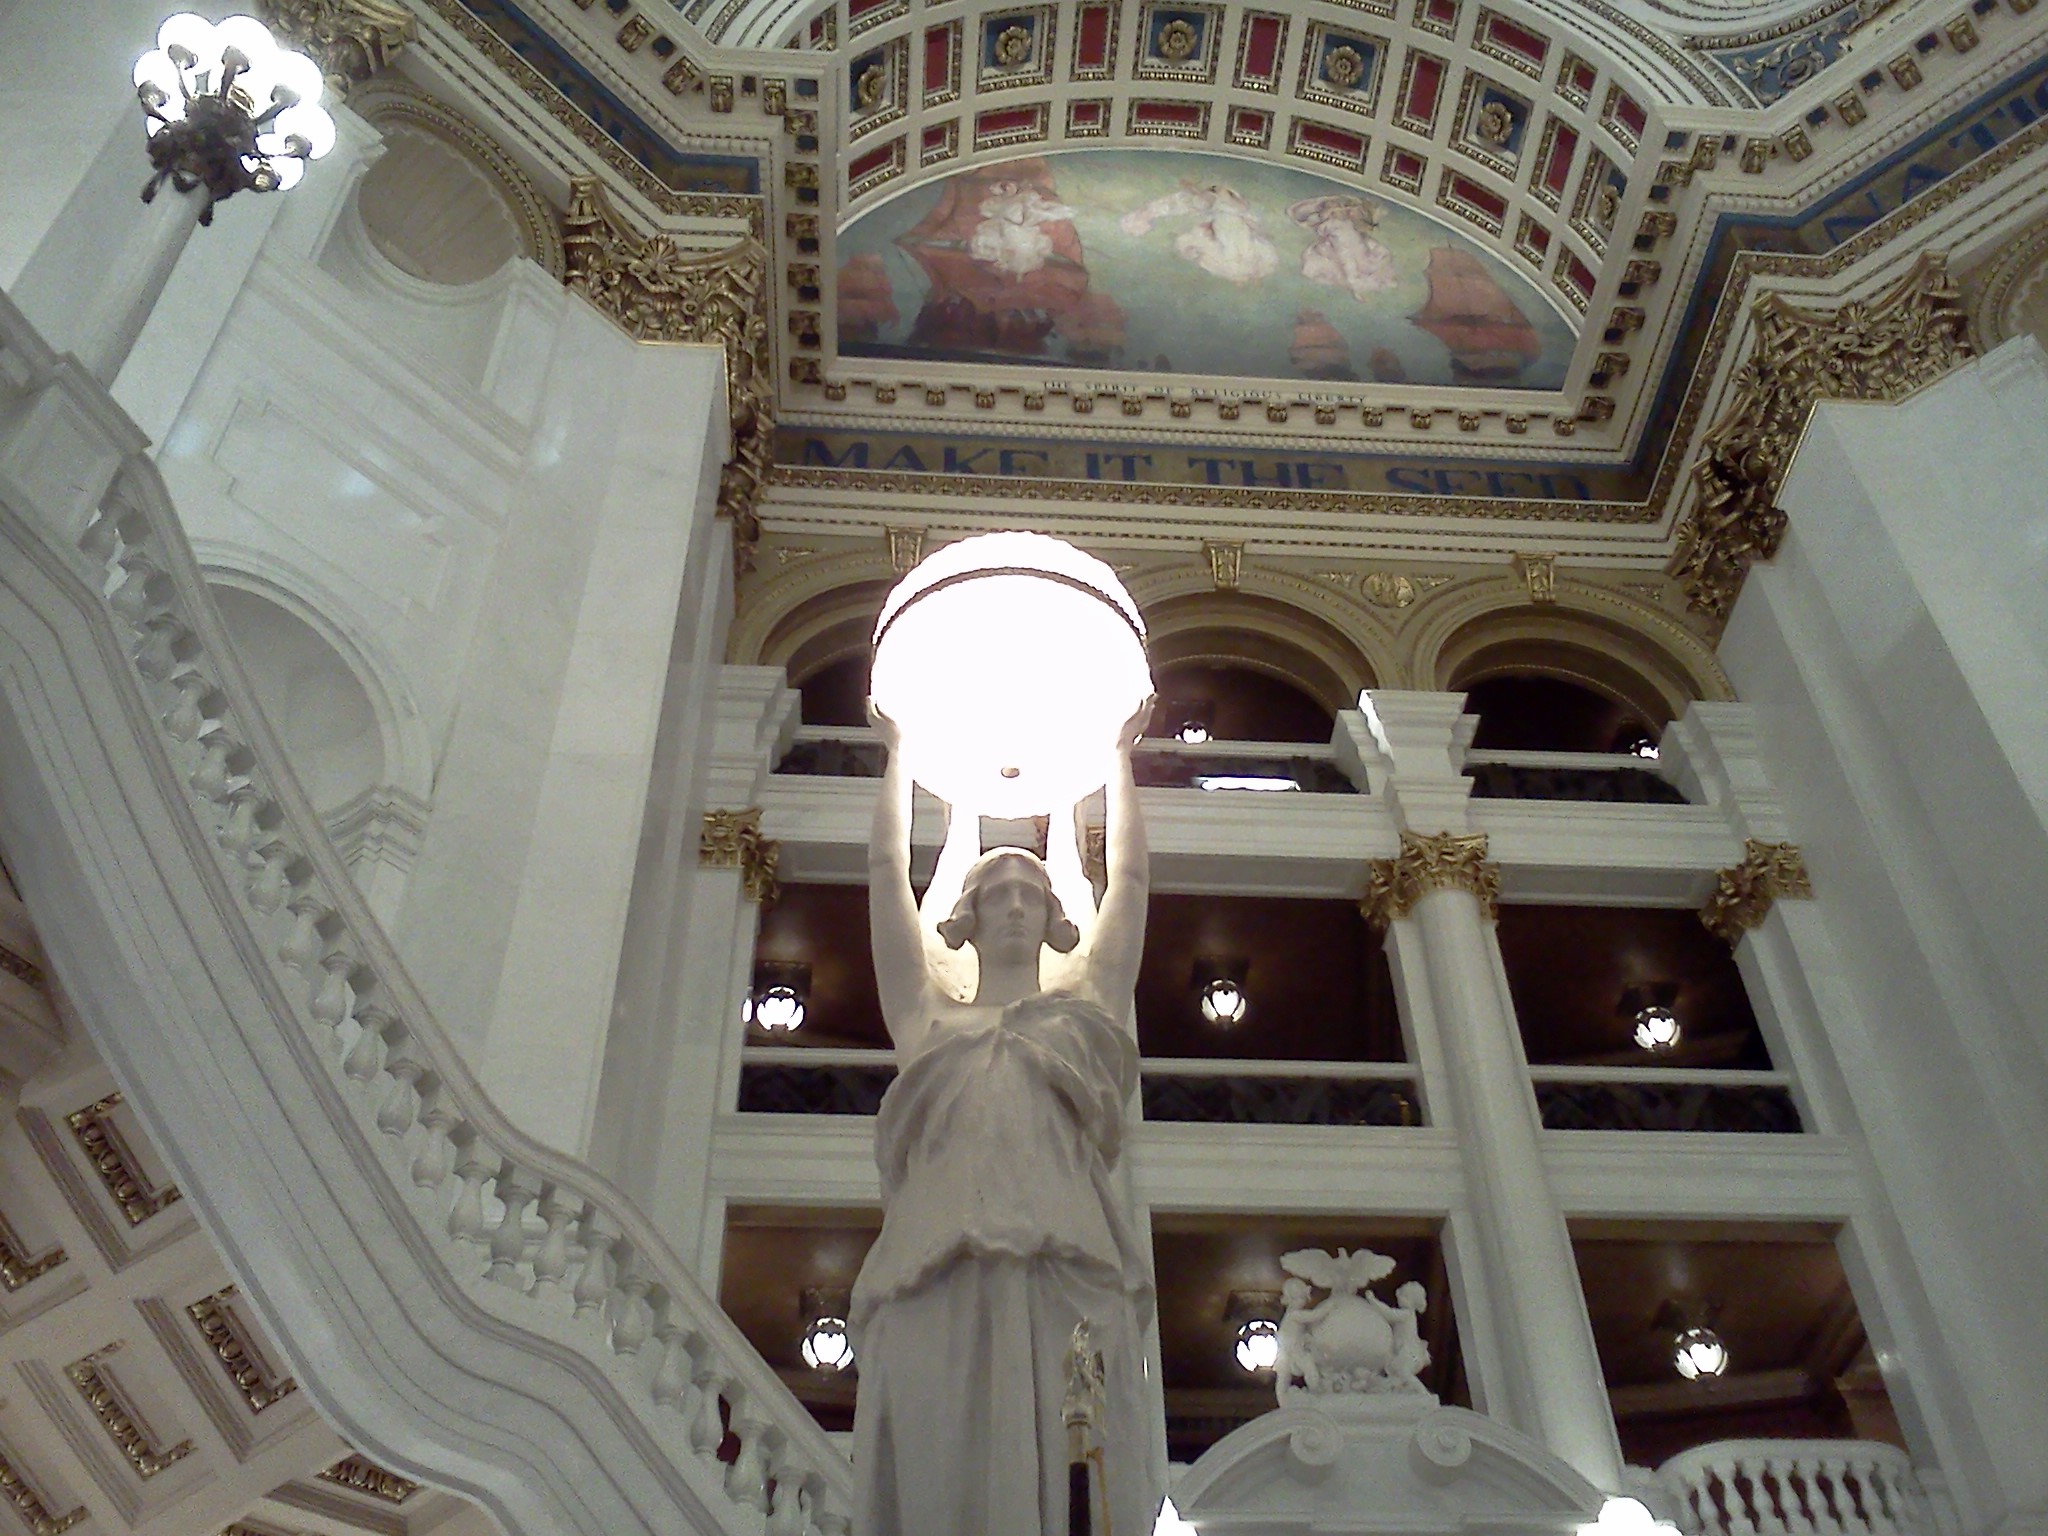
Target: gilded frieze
<point x="350" y="40"/>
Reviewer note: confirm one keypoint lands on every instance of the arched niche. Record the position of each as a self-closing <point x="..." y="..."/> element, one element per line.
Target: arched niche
<point x="1592" y="640"/>
<point x="444" y="203"/>
<point x="823" y="645"/>
<point x="1270" y="661"/>
<point x="319" y="708"/>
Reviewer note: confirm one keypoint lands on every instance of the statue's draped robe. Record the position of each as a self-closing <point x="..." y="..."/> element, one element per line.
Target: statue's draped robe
<point x="1004" y="1225"/>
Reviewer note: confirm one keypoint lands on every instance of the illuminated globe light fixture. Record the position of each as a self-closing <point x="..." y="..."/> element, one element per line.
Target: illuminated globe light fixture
<point x="227" y="110"/>
<point x="779" y="1010"/>
<point x="1224" y="1002"/>
<point x="1699" y="1354"/>
<point x="1258" y="1344"/>
<point x="1657" y="1028"/>
<point x="1193" y="734"/>
<point x="826" y="1345"/>
<point x="1009" y="662"/>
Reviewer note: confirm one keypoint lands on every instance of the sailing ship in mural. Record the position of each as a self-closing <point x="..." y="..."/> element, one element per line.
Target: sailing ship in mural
<point x="1187" y="263"/>
<point x="1489" y="339"/>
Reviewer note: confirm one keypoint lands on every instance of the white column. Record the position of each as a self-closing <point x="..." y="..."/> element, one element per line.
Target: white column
<point x="515" y="913"/>
<point x="1546" y="1377"/>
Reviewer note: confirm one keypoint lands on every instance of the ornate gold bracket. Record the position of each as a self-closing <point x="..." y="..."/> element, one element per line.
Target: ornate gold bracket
<point x="733" y="840"/>
<point x="1743" y="895"/>
<point x="1907" y="337"/>
<point x="656" y="291"/>
<point x="1431" y="861"/>
<point x="350" y="40"/>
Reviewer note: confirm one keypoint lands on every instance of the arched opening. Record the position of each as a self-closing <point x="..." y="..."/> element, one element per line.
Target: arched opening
<point x="1234" y="701"/>
<point x="319" y="708"/>
<point x="1551" y="681"/>
<point x="433" y="212"/>
<point x="1247" y="668"/>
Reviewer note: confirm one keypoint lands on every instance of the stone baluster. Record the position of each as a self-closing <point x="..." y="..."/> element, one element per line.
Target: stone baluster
<point x="831" y="1521"/>
<point x="221" y="758"/>
<point x="558" y="1207"/>
<point x="401" y="1102"/>
<point x="1827" y="1501"/>
<point x="1892" y="1511"/>
<point x="435" y="1160"/>
<point x="1736" y="1492"/>
<point x="517" y="1189"/>
<point x="630" y="1311"/>
<point x="365" y="1058"/>
<point x="474" y="1164"/>
<point x="707" y="1427"/>
<point x="594" y="1282"/>
<point x="334" y="999"/>
<point x="671" y="1385"/>
<point x="786" y="1513"/>
<point x="1795" y="1495"/>
<point x="1773" y="1498"/>
<point x="746" y="1480"/>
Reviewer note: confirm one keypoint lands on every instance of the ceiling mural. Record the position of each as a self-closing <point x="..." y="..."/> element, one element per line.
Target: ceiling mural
<point x="1138" y="260"/>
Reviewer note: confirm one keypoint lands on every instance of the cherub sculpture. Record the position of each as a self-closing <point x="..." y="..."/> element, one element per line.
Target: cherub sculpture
<point x="1350" y="1342"/>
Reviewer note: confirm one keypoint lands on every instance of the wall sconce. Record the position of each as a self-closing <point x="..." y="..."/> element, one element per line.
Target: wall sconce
<point x="1698" y="1353"/>
<point x="1219" y="987"/>
<point x="780" y="996"/>
<point x="1256" y="1341"/>
<point x="1648" y="1009"/>
<point x="1189" y="721"/>
<point x="826" y="1346"/>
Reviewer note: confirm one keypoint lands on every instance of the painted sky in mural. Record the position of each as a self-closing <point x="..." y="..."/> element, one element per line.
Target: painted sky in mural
<point x="1187" y="263"/>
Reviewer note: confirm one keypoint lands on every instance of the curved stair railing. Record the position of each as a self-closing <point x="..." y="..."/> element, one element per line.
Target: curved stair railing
<point x="1796" y="1488"/>
<point x="535" y="1248"/>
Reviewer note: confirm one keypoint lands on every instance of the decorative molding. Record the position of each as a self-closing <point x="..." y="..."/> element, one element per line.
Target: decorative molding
<point x="1430" y="861"/>
<point x="116" y="1164"/>
<point x="906" y="548"/>
<point x="733" y="840"/>
<point x="119" y="1417"/>
<point x="236" y="1349"/>
<point x="656" y="291"/>
<point x="350" y="40"/>
<point x="1743" y="895"/>
<point x="1884" y="349"/>
<point x="358" y="1472"/>
<point x="19" y="1267"/>
<point x="30" y="1505"/>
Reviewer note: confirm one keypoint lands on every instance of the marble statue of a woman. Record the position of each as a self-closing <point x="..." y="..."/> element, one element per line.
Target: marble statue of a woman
<point x="1005" y="1222"/>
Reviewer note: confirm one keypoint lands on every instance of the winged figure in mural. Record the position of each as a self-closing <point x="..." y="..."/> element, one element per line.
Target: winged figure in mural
<point x="1227" y="240"/>
<point x="1346" y="253"/>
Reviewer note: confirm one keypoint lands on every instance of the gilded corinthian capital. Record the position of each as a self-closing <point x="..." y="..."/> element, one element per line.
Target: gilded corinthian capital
<point x="1432" y="861"/>
<point x="733" y="840"/>
<point x="1743" y="895"/>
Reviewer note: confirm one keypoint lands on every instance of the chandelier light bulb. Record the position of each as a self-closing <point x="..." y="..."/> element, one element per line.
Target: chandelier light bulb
<point x="1193" y="734"/>
<point x="779" y="1009"/>
<point x="1224" y="1002"/>
<point x="1700" y="1354"/>
<point x="826" y="1345"/>
<point x="1258" y="1344"/>
<point x="1009" y="662"/>
<point x="1657" y="1028"/>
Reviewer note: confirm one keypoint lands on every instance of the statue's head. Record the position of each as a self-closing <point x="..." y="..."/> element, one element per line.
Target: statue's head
<point x="1007" y="909"/>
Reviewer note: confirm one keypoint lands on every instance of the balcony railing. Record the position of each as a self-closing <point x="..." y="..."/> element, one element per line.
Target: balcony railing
<point x="1796" y="1488"/>
<point x="1606" y="777"/>
<point x="1665" y="1099"/>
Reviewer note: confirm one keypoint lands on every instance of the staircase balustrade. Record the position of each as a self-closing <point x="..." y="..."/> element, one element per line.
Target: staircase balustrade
<point x="506" y="1215"/>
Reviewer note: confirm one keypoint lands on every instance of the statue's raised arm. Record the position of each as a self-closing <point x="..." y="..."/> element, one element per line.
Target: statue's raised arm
<point x="1118" y="942"/>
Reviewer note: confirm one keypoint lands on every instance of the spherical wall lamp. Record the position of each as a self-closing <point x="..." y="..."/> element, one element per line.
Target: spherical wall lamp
<point x="1258" y="1344"/>
<point x="1698" y="1354"/>
<point x="1008" y="662"/>
<point x="1656" y="1028"/>
<point x="1224" y="1002"/>
<point x="826" y="1345"/>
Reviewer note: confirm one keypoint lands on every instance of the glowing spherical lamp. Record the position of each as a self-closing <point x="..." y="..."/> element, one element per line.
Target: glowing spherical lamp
<point x="1009" y="662"/>
<point x="1699" y="1353"/>
<point x="1258" y="1344"/>
<point x="826" y="1345"/>
<point x="1657" y="1028"/>
<point x="1224" y="1002"/>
